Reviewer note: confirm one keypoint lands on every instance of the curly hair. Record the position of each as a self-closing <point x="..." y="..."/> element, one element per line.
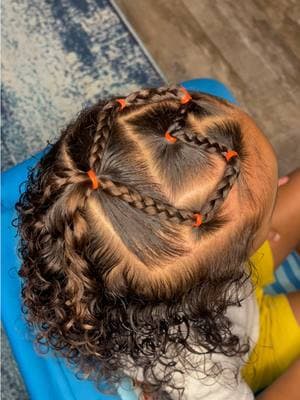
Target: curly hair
<point x="107" y="278"/>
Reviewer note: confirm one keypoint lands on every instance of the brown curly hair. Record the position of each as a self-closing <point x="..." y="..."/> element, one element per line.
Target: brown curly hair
<point x="107" y="277"/>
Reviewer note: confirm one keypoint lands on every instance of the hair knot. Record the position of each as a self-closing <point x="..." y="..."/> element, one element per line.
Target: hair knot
<point x="122" y="103"/>
<point x="199" y="219"/>
<point x="229" y="154"/>
<point x="93" y="177"/>
<point x="169" y="137"/>
<point x="187" y="97"/>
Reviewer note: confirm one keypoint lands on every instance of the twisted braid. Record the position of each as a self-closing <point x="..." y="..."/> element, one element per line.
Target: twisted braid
<point x="230" y="175"/>
<point x="145" y="203"/>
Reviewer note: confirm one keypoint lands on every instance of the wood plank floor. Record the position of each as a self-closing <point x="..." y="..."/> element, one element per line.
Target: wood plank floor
<point x="252" y="46"/>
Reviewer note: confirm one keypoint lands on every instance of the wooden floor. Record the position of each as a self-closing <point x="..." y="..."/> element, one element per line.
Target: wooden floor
<point x="253" y="46"/>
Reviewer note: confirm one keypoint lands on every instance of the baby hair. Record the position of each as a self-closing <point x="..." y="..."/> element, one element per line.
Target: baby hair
<point x="109" y="279"/>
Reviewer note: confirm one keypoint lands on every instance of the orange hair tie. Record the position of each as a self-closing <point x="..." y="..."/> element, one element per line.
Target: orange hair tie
<point x="170" y="138"/>
<point x="122" y="102"/>
<point x="199" y="219"/>
<point x="93" y="178"/>
<point x="187" y="97"/>
<point x="229" y="154"/>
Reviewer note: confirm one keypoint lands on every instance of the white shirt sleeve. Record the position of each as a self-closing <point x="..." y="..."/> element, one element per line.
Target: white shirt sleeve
<point x="216" y="389"/>
<point x="226" y="385"/>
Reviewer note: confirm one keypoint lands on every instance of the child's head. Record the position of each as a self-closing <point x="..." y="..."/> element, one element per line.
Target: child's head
<point x="138" y="221"/>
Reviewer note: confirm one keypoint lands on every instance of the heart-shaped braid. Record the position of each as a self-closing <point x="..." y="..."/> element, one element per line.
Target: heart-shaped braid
<point x="232" y="170"/>
<point x="174" y="132"/>
<point x="230" y="175"/>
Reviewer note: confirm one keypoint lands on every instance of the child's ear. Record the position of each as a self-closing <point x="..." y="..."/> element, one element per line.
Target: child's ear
<point x="260" y="236"/>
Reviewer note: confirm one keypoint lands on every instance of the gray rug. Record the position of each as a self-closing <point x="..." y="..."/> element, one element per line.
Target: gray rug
<point x="57" y="57"/>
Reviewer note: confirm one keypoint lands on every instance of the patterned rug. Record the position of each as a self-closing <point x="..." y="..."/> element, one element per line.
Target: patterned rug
<point x="57" y="57"/>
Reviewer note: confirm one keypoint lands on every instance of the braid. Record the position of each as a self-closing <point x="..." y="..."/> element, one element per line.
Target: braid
<point x="108" y="112"/>
<point x="222" y="190"/>
<point x="230" y="175"/>
<point x="145" y="203"/>
<point x="101" y="135"/>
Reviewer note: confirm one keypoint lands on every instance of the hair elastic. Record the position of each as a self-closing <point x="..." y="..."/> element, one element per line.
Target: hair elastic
<point x="229" y="154"/>
<point x="187" y="97"/>
<point x="170" y="138"/>
<point x="94" y="179"/>
<point x="122" y="102"/>
<point x="199" y="219"/>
